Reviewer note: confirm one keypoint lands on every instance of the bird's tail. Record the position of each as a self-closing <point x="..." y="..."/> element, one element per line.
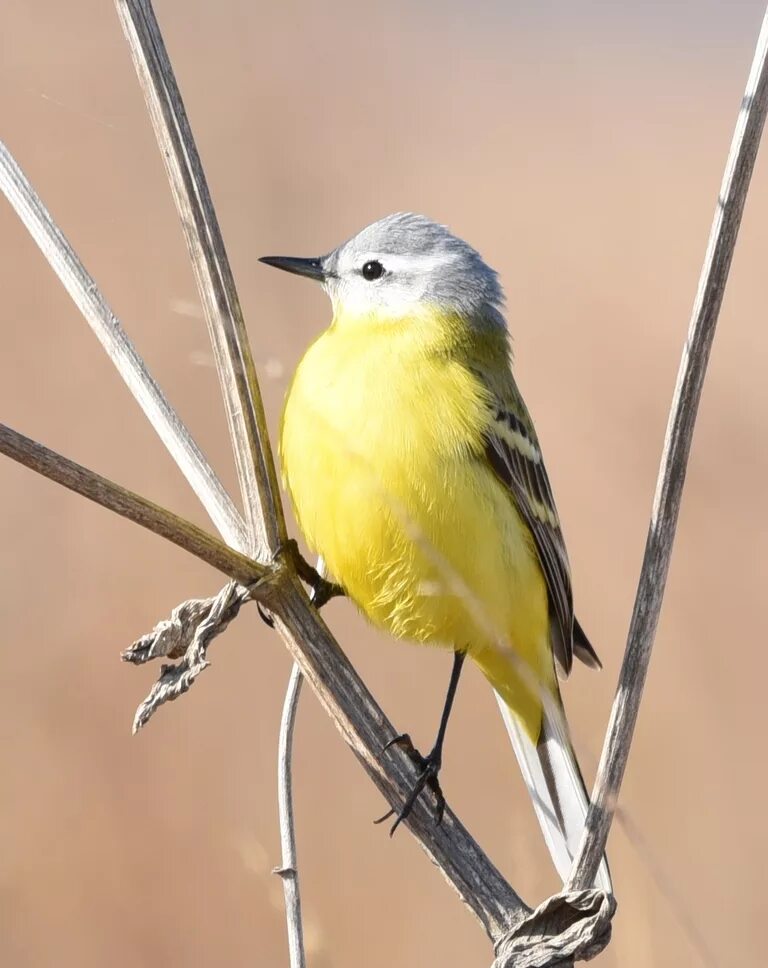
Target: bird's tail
<point x="557" y="789"/>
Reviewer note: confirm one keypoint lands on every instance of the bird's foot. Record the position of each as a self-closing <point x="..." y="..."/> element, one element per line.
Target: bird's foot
<point x="428" y="767"/>
<point x="322" y="589"/>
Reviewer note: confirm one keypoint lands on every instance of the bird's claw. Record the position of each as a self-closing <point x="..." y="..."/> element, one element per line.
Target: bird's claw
<point x="265" y="616"/>
<point x="428" y="767"/>
<point x="404" y="740"/>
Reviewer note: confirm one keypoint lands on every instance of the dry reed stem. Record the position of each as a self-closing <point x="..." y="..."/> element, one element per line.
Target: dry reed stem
<point x="674" y="462"/>
<point x="106" y="326"/>
<point x="215" y="283"/>
<point x="138" y="509"/>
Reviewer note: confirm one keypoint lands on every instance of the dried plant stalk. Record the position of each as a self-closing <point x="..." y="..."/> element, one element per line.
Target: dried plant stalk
<point x="674" y="462"/>
<point x="226" y="327"/>
<point x="129" y="505"/>
<point x="289" y="867"/>
<point x="85" y="294"/>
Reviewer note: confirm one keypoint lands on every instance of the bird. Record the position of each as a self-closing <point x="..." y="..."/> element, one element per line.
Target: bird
<point x="416" y="475"/>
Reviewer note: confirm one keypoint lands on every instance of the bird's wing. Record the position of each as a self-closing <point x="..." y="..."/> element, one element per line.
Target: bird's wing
<point x="513" y="452"/>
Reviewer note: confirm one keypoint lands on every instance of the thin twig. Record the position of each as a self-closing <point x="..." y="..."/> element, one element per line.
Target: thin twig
<point x="289" y="870"/>
<point x="91" y="303"/>
<point x="83" y="481"/>
<point x="234" y="362"/>
<point x="674" y="461"/>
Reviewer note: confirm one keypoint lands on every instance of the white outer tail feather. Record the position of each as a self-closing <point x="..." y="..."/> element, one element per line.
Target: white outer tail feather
<point x="562" y="838"/>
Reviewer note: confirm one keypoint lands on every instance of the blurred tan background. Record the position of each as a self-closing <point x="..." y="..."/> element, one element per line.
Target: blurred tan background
<point x="579" y="146"/>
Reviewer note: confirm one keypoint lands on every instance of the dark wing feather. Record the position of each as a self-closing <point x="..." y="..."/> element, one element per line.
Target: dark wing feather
<point x="513" y="452"/>
<point x="582" y="647"/>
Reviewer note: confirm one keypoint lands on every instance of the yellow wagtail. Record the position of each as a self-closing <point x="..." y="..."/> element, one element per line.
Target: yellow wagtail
<point x="416" y="474"/>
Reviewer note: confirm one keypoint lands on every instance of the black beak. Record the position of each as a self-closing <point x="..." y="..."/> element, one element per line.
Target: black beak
<point x="311" y="268"/>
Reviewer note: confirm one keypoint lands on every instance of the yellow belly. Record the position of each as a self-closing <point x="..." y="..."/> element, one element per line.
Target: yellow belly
<point x="382" y="456"/>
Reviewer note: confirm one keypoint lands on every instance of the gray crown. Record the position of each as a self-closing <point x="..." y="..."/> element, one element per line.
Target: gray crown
<point x="428" y="257"/>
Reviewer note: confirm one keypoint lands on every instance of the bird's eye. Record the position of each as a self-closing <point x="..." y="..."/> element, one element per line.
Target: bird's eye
<point x="373" y="270"/>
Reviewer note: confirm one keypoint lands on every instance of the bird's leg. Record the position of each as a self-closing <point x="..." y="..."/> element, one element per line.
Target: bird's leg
<point x="428" y="766"/>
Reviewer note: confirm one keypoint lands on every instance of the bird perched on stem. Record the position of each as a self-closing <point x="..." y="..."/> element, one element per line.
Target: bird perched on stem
<point x="415" y="472"/>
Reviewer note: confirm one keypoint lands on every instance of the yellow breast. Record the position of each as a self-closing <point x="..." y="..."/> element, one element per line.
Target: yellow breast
<point x="381" y="447"/>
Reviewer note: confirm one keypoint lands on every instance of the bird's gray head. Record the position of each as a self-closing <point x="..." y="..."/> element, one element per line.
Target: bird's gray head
<point x="401" y="264"/>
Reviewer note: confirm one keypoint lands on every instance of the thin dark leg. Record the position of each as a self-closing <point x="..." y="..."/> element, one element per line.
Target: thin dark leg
<point x="458" y="663"/>
<point x="429" y="766"/>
